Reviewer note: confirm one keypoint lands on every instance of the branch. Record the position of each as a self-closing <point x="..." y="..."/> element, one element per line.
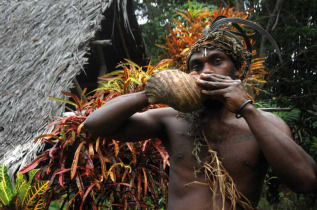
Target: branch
<point x="270" y="24"/>
<point x="276" y="109"/>
<point x="289" y="60"/>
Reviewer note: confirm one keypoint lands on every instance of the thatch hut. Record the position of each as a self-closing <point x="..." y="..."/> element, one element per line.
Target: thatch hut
<point x="51" y="46"/>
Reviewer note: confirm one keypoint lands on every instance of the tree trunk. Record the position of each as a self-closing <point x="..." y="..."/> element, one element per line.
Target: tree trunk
<point x="271" y="23"/>
<point x="239" y="5"/>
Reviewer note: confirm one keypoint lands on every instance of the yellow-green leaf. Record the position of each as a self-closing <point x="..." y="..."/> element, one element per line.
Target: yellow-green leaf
<point x="19" y="182"/>
<point x="5" y="194"/>
<point x="40" y="204"/>
<point x="32" y="174"/>
<point x="4" y="177"/>
<point x="33" y="194"/>
<point x="23" y="191"/>
<point x="62" y="100"/>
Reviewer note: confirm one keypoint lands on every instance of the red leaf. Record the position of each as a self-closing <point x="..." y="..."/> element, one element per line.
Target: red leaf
<point x="33" y="164"/>
<point x="71" y="200"/>
<point x="144" y="145"/>
<point x="131" y="148"/>
<point x="75" y="161"/>
<point x="61" y="171"/>
<point x="163" y="153"/>
<point x="102" y="163"/>
<point x="120" y="183"/>
<point x="52" y="179"/>
<point x="116" y="147"/>
<point x="53" y="150"/>
<point x="139" y="187"/>
<point x="145" y="181"/>
<point x="80" y="186"/>
<point x="79" y="128"/>
<point x="85" y="195"/>
<point x="76" y="99"/>
<point x="91" y="152"/>
<point x="48" y="136"/>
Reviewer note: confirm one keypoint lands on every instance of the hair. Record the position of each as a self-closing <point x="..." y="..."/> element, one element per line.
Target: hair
<point x="219" y="40"/>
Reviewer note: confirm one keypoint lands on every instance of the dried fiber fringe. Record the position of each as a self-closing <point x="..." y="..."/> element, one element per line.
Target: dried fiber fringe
<point x="219" y="180"/>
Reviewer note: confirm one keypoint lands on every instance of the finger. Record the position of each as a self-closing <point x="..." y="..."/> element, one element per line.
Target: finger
<point x="222" y="77"/>
<point x="214" y="78"/>
<point x="217" y="92"/>
<point x="212" y="85"/>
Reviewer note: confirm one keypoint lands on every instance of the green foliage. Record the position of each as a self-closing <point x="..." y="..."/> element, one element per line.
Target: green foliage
<point x="290" y="117"/>
<point x="158" y="19"/>
<point x="294" y="83"/>
<point x="25" y="195"/>
<point x="6" y="188"/>
<point x="312" y="119"/>
<point x="86" y="172"/>
<point x="98" y="178"/>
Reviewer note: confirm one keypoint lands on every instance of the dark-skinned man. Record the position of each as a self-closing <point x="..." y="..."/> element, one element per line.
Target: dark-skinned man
<point x="245" y="140"/>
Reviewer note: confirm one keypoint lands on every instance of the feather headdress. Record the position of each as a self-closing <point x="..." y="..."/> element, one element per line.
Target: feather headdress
<point x="236" y="43"/>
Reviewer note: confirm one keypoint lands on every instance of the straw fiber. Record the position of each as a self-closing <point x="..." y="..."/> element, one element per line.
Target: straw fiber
<point x="42" y="48"/>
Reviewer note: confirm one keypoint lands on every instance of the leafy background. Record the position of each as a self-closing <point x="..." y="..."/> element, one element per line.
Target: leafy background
<point x="83" y="171"/>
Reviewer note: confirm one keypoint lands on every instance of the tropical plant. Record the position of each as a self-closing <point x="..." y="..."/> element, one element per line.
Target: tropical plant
<point x="186" y="32"/>
<point x="157" y="15"/>
<point x="90" y="172"/>
<point x="26" y="194"/>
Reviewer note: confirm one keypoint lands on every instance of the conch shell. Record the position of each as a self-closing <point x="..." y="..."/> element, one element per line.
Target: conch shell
<point x="174" y="88"/>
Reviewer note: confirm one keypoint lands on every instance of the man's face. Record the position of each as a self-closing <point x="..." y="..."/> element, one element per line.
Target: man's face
<point x="211" y="62"/>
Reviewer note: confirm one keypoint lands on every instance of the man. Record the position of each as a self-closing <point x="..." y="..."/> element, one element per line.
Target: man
<point x="245" y="140"/>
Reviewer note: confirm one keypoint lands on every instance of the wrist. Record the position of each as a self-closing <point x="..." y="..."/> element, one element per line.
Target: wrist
<point x="247" y="110"/>
<point x="242" y="107"/>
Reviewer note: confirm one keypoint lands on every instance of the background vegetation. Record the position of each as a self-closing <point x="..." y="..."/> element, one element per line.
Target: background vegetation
<point x="293" y="25"/>
<point x="83" y="171"/>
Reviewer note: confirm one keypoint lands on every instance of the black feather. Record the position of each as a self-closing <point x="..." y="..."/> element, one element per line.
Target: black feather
<point x="216" y="24"/>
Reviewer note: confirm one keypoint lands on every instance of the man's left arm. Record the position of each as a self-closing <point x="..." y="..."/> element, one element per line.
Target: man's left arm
<point x="287" y="159"/>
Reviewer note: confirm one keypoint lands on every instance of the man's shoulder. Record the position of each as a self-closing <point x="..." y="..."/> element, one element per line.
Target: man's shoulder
<point x="271" y="116"/>
<point x="276" y="120"/>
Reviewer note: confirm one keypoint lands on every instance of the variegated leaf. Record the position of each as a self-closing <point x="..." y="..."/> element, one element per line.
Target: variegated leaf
<point x="32" y="174"/>
<point x="5" y="194"/>
<point x="33" y="195"/>
<point x="4" y="177"/>
<point x="40" y="204"/>
<point x="23" y="191"/>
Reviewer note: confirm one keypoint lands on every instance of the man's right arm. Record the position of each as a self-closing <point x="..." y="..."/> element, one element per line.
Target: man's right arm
<point x="118" y="119"/>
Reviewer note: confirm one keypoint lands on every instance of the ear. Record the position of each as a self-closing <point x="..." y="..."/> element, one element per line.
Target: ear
<point x="237" y="73"/>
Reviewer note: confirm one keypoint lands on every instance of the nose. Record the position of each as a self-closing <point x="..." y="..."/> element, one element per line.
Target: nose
<point x="208" y="69"/>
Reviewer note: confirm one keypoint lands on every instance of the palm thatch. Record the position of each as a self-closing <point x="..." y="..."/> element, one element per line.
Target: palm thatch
<point x="43" y="46"/>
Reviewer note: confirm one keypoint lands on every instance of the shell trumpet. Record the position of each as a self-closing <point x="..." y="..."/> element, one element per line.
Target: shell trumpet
<point x="174" y="88"/>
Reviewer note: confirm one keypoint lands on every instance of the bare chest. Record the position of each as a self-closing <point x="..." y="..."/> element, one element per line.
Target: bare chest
<point x="236" y="148"/>
<point x="233" y="142"/>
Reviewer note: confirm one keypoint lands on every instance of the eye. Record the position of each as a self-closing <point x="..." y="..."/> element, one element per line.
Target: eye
<point x="196" y="67"/>
<point x="217" y="61"/>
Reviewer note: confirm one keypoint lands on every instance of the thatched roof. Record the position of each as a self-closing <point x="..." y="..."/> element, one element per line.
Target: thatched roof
<point x="42" y="48"/>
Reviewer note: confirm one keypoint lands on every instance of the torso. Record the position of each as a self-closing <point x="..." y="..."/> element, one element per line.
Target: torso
<point x="237" y="149"/>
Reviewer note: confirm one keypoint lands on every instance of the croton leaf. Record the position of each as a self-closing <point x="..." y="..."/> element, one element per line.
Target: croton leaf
<point x="40" y="204"/>
<point x="5" y="194"/>
<point x="34" y="193"/>
<point x="4" y="177"/>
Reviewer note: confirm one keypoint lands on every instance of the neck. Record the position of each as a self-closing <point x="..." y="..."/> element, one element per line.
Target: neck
<point x="214" y="109"/>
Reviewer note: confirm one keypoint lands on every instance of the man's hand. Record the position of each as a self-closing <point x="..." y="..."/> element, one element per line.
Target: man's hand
<point x="222" y="88"/>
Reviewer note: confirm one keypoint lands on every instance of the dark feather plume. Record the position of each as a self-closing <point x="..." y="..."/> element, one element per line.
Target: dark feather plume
<point x="221" y="20"/>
